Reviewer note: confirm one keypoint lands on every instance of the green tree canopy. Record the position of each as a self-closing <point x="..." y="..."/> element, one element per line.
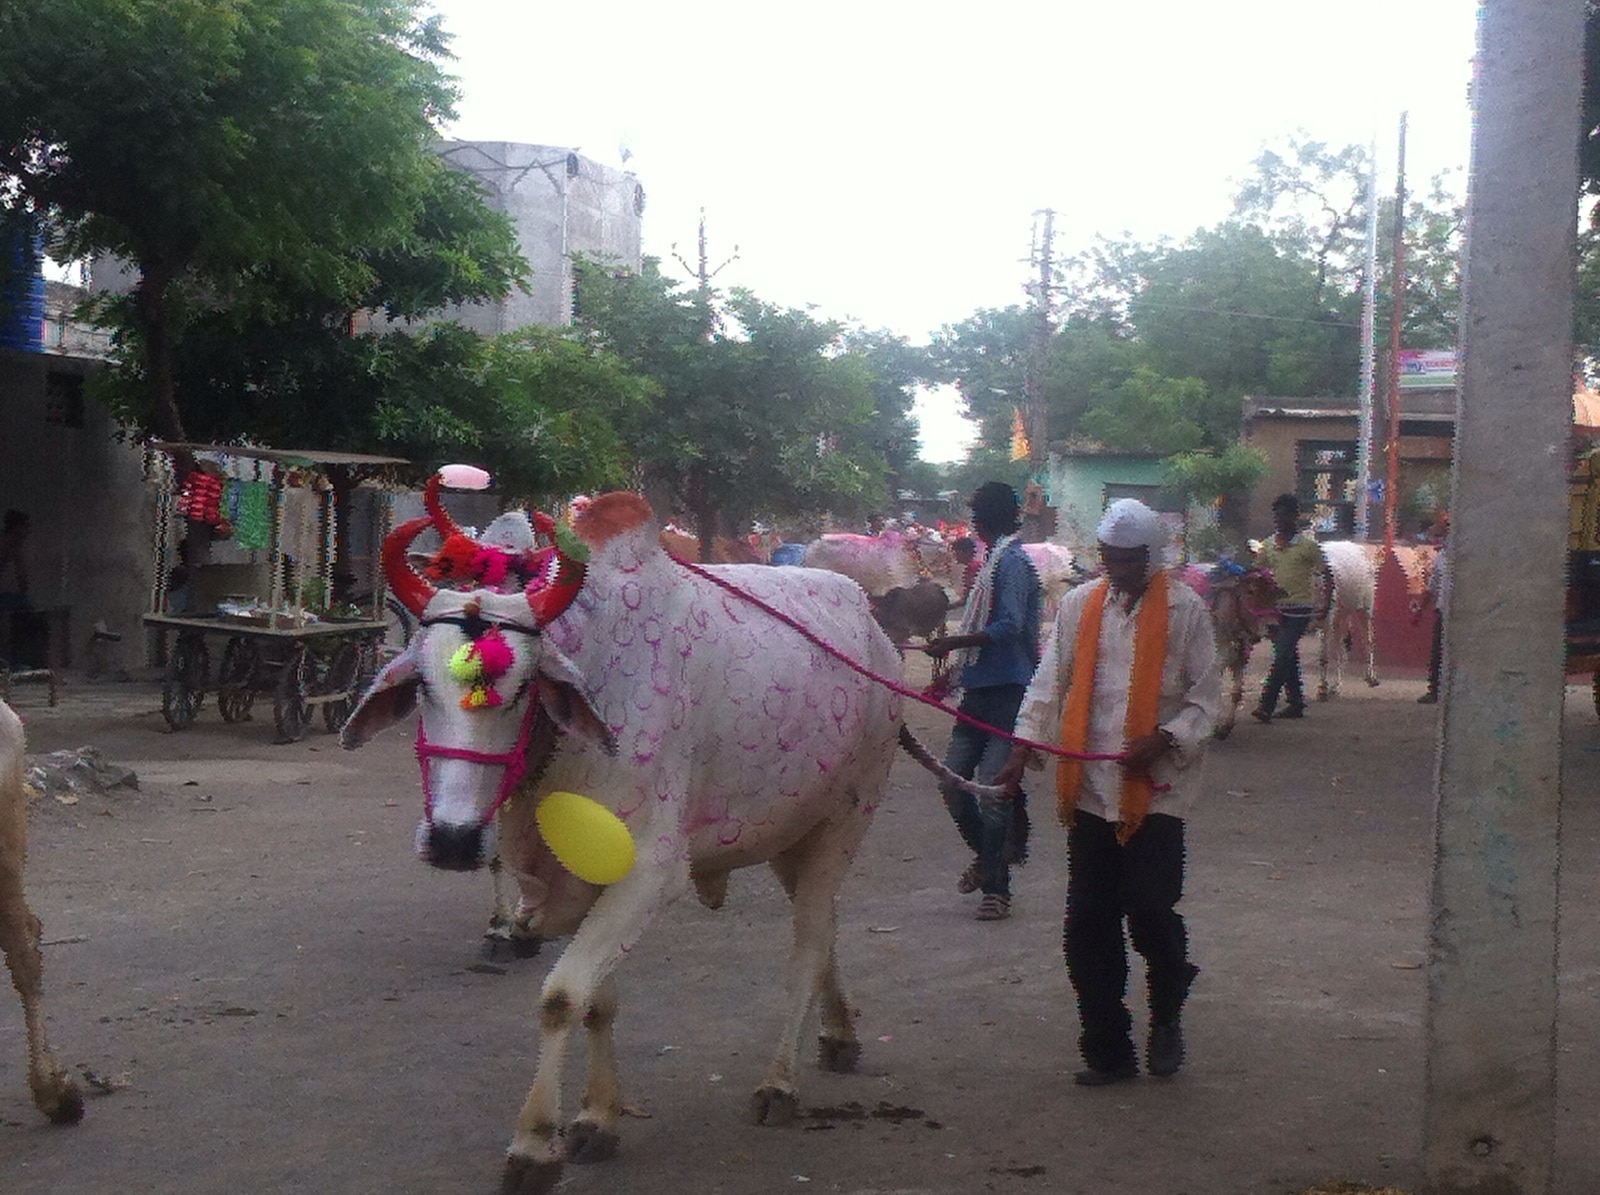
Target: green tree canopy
<point x="760" y="412"/>
<point x="215" y="142"/>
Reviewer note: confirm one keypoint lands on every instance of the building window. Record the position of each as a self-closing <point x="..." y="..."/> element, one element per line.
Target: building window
<point x="63" y="399"/>
<point x="1326" y="485"/>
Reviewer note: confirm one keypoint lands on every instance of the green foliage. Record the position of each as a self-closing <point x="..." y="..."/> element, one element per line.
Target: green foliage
<point x="1213" y="476"/>
<point x="761" y="412"/>
<point x="1151" y="413"/>
<point x="217" y="143"/>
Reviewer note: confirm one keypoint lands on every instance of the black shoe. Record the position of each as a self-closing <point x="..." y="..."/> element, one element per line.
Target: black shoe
<point x="1093" y="1076"/>
<point x="1428" y="699"/>
<point x="1293" y="711"/>
<point x="1261" y="714"/>
<point x="1164" y="1052"/>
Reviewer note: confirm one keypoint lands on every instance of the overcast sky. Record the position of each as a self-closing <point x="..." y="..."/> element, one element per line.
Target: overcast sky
<point x="882" y="161"/>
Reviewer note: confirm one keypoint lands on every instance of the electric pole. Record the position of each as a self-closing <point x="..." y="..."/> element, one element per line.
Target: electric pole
<point x="1037" y="420"/>
<point x="703" y="275"/>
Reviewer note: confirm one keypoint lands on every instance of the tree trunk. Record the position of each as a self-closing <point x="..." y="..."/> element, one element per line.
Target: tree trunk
<point x="150" y="304"/>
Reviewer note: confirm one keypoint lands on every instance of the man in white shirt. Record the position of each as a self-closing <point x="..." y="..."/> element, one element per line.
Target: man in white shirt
<point x="1129" y="673"/>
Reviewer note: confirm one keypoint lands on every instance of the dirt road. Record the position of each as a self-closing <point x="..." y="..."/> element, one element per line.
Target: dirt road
<point x="288" y="1001"/>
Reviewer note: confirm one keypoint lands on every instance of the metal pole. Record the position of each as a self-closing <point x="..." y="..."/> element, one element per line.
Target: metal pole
<point x="1369" y="319"/>
<point x="1489" y="1088"/>
<point x="1391" y="484"/>
<point x="1038" y="417"/>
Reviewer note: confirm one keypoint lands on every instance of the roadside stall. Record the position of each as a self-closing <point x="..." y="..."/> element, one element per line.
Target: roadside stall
<point x="255" y="559"/>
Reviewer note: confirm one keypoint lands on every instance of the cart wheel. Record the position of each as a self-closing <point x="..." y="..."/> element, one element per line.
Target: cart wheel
<point x="343" y="675"/>
<point x="398" y="625"/>
<point x="237" y="679"/>
<point x="289" y="712"/>
<point x="1597" y="694"/>
<point x="185" y="685"/>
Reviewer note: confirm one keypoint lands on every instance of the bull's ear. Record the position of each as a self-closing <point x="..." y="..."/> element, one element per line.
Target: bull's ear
<point x="561" y="693"/>
<point x="391" y="697"/>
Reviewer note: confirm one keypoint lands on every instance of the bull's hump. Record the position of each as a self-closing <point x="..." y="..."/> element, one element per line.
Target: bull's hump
<point x="611" y="515"/>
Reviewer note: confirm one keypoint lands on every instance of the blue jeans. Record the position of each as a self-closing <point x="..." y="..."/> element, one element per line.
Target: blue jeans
<point x="1285" y="674"/>
<point x="985" y="822"/>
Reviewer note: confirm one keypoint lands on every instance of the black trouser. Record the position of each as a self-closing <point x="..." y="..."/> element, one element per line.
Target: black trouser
<point x="1285" y="674"/>
<point x="1142" y="881"/>
<point x="1436" y="653"/>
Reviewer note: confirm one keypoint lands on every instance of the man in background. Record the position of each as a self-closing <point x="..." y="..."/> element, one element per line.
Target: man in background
<point x="1297" y="565"/>
<point x="998" y="646"/>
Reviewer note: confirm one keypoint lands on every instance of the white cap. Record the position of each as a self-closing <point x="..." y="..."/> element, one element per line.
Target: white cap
<point x="1129" y="523"/>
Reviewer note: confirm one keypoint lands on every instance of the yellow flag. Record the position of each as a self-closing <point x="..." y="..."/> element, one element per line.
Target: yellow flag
<point x="1020" y="449"/>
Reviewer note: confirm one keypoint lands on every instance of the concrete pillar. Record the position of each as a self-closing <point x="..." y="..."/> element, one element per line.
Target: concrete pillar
<point x="1490" y="1084"/>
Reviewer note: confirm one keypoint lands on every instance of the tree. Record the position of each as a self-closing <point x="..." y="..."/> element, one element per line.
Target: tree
<point x="761" y="412"/>
<point x="986" y="357"/>
<point x="284" y="363"/>
<point x="216" y="142"/>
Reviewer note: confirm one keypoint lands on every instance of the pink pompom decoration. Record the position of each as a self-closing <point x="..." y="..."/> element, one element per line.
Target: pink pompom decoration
<point x="494" y="653"/>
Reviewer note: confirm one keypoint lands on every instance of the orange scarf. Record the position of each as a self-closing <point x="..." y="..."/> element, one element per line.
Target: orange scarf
<point x="1144" y="697"/>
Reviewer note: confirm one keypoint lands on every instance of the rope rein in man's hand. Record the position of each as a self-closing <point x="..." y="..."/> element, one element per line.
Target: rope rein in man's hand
<point x="896" y="686"/>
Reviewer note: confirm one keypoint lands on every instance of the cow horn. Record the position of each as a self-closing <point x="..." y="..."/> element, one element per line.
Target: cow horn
<point x="441" y="517"/>
<point x="556" y="583"/>
<point x="404" y="583"/>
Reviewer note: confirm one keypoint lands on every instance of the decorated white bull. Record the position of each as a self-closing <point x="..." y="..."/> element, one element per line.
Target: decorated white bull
<point x="710" y="709"/>
<point x="54" y="1093"/>
<point x="892" y="560"/>
<point x="1058" y="570"/>
<point x="1353" y="576"/>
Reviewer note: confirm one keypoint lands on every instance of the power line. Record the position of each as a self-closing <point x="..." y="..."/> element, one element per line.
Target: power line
<point x="1287" y="319"/>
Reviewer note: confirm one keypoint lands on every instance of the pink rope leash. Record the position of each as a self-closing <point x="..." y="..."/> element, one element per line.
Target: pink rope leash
<point x="893" y="685"/>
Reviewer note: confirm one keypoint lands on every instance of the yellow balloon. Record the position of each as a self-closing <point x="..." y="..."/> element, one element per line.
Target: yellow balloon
<point x="589" y="840"/>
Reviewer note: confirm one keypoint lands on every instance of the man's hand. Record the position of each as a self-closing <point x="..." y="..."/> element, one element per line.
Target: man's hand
<point x="1009" y="777"/>
<point x="942" y="645"/>
<point x="1145" y="750"/>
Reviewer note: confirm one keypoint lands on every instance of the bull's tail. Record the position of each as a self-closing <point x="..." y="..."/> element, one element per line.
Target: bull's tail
<point x="919" y="752"/>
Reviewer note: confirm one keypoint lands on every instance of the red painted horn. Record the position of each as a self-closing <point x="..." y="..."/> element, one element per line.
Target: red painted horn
<point x="413" y="592"/>
<point x="554" y="586"/>
<point x="441" y="517"/>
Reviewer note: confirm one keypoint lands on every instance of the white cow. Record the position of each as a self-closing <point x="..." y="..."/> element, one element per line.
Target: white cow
<point x="892" y="560"/>
<point x="1353" y="574"/>
<point x="714" y="729"/>
<point x="1058" y="571"/>
<point x="54" y="1093"/>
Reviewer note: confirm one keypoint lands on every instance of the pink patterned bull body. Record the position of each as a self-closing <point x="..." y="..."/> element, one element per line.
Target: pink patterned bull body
<point x="719" y="734"/>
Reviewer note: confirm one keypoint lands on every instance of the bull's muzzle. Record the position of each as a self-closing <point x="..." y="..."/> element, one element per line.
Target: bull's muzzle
<point x="453" y="848"/>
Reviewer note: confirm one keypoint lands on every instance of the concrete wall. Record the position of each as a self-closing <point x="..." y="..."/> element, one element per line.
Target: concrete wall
<point x="91" y="509"/>
<point x="1424" y="460"/>
<point x="1078" y="488"/>
<point x="561" y="203"/>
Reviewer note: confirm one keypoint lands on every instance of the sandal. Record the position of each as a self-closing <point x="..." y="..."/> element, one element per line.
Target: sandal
<point x="993" y="907"/>
<point x="970" y="880"/>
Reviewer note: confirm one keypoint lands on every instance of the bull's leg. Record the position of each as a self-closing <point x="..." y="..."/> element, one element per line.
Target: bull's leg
<point x="1372" y="648"/>
<point x="575" y="991"/>
<point x="1324" y="689"/>
<point x="508" y="925"/>
<point x="592" y="1137"/>
<point x="1235" y="656"/>
<point x="811" y="872"/>
<point x="54" y="1093"/>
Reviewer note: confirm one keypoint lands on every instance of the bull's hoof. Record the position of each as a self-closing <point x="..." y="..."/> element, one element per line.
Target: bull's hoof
<point x="499" y="945"/>
<point x="588" y="1142"/>
<point x="524" y="1176"/>
<point x="1220" y="731"/>
<point x="774" y="1107"/>
<point x="63" y="1105"/>
<point x="838" y="1055"/>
